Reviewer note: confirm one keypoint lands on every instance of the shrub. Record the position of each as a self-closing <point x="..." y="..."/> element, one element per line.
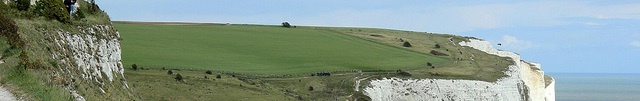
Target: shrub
<point x="9" y="29"/>
<point x="170" y="72"/>
<point x="286" y="24"/>
<point x="53" y="9"/>
<point x="134" y="67"/>
<point x="178" y="77"/>
<point x="406" y="44"/>
<point x="437" y="45"/>
<point x="429" y="64"/>
<point x="404" y="73"/>
<point x="438" y="53"/>
<point x="209" y="72"/>
<point x="310" y="88"/>
<point x="23" y="5"/>
<point x="218" y="76"/>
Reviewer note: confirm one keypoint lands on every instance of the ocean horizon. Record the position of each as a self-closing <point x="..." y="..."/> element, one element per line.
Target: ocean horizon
<point x="597" y="86"/>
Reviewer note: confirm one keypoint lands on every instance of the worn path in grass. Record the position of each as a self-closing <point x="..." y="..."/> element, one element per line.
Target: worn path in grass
<point x="5" y="95"/>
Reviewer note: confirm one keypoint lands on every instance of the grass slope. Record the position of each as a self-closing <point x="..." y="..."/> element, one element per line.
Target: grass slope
<point x="259" y="49"/>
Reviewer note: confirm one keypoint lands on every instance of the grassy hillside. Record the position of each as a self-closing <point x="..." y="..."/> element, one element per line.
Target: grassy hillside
<point x="259" y="49"/>
<point x="242" y="54"/>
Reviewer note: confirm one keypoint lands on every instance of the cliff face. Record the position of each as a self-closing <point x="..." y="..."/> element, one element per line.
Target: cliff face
<point x="91" y="66"/>
<point x="524" y="82"/>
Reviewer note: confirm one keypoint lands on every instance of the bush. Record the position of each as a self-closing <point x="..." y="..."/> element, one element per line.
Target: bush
<point x="178" y="77"/>
<point x="218" y="76"/>
<point x="209" y="72"/>
<point x="404" y="73"/>
<point x="134" y="67"/>
<point x="23" y="5"/>
<point x="438" y="53"/>
<point x="406" y="44"/>
<point x="429" y="64"/>
<point x="170" y="72"/>
<point x="9" y="29"/>
<point x="437" y="45"/>
<point x="53" y="9"/>
<point x="310" y="88"/>
<point x="286" y="24"/>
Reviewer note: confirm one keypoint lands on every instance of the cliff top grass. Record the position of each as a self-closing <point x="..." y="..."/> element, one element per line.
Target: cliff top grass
<point x="271" y="49"/>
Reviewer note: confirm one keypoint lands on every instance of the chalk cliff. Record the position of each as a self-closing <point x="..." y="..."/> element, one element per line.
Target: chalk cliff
<point x="524" y="82"/>
<point x="91" y="58"/>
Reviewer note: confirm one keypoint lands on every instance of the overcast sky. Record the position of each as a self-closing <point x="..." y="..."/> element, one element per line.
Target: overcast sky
<point x="564" y="36"/>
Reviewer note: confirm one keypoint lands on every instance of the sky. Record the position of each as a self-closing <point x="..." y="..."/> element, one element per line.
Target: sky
<point x="582" y="36"/>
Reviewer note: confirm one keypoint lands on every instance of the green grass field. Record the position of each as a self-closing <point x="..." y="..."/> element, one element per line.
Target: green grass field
<point x="239" y="52"/>
<point x="259" y="49"/>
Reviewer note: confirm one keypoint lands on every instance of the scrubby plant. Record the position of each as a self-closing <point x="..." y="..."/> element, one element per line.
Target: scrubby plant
<point x="9" y="29"/>
<point x="218" y="76"/>
<point x="209" y="72"/>
<point x="52" y="9"/>
<point x="134" y="67"/>
<point x="310" y="88"/>
<point x="406" y="44"/>
<point x="178" y="77"/>
<point x="437" y="46"/>
<point x="23" y="5"/>
<point x="170" y="72"/>
<point x="429" y="64"/>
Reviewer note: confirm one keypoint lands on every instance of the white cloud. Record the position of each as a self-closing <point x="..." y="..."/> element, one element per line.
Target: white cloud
<point x="635" y="43"/>
<point x="513" y="43"/>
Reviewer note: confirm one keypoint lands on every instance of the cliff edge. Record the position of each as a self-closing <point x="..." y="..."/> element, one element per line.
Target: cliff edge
<point x="524" y="82"/>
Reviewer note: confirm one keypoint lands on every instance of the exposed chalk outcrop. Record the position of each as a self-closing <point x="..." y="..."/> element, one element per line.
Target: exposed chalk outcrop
<point x="524" y="82"/>
<point x="5" y="95"/>
<point x="92" y="55"/>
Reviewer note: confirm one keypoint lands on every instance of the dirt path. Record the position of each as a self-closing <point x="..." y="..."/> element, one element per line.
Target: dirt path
<point x="5" y="95"/>
<point x="357" y="85"/>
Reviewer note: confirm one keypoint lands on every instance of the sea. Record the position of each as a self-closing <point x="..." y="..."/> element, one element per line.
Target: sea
<point x="597" y="86"/>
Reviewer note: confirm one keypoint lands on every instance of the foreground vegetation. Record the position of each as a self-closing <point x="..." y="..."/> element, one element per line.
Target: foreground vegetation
<point x="27" y="44"/>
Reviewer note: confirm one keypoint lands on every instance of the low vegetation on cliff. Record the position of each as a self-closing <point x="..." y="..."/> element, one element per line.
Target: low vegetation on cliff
<point x="34" y="66"/>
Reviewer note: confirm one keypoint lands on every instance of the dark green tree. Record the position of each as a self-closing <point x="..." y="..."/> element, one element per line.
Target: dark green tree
<point x="52" y="9"/>
<point x="23" y="5"/>
<point x="178" y="77"/>
<point x="134" y="67"/>
<point x="406" y="44"/>
<point x="286" y="24"/>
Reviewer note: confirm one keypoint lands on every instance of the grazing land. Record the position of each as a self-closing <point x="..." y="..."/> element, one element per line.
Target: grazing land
<point x="268" y="62"/>
<point x="259" y="49"/>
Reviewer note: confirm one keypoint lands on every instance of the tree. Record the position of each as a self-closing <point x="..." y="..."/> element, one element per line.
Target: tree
<point x="178" y="77"/>
<point x="134" y="66"/>
<point x="286" y="24"/>
<point x="9" y="29"/>
<point x="53" y="9"/>
<point x="406" y="44"/>
<point x="170" y="72"/>
<point x="23" y="5"/>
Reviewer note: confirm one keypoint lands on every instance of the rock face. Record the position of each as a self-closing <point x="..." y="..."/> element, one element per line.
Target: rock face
<point x="89" y="57"/>
<point x="524" y="82"/>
